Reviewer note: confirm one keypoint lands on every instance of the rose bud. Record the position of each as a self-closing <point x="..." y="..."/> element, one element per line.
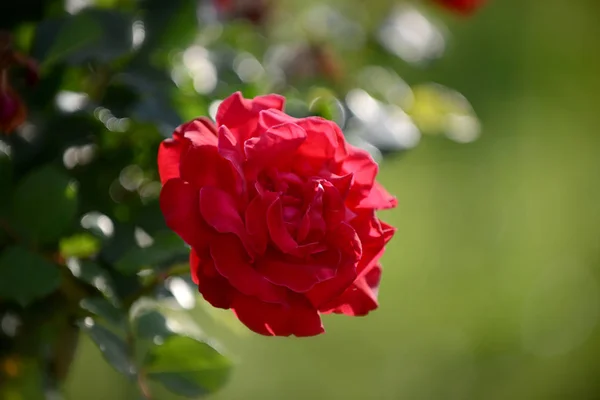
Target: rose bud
<point x="254" y="11"/>
<point x="462" y="6"/>
<point x="280" y="214"/>
<point x="12" y="109"/>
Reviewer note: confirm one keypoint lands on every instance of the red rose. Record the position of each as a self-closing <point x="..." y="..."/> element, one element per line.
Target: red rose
<point x="462" y="6"/>
<point x="280" y="215"/>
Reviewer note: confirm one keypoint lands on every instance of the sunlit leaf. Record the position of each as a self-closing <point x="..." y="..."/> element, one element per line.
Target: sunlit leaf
<point x="187" y="366"/>
<point x="114" y="349"/>
<point x="82" y="246"/>
<point x="94" y="275"/>
<point x="166" y="247"/>
<point x="104" y="309"/>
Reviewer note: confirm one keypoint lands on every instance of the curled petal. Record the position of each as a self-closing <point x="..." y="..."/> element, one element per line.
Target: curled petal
<point x="361" y="297"/>
<point x="277" y="229"/>
<point x="179" y="204"/>
<point x="344" y="238"/>
<point x="297" y="317"/>
<point x="240" y="115"/>
<point x="203" y="166"/>
<point x="273" y="117"/>
<point x="219" y="210"/>
<point x="361" y="164"/>
<point x="324" y="147"/>
<point x="169" y="157"/>
<point x="298" y="275"/>
<point x="214" y="288"/>
<point x="199" y="132"/>
<point x="274" y="145"/>
<point x="256" y="223"/>
<point x="231" y="261"/>
<point x="230" y="150"/>
<point x="378" y="199"/>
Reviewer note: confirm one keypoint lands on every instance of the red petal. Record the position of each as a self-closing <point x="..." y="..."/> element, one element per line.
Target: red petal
<point x="230" y="149"/>
<point x="296" y="318"/>
<point x="273" y="117"/>
<point x="346" y="239"/>
<point x="276" y="144"/>
<point x="298" y="275"/>
<point x="378" y="199"/>
<point x="277" y="229"/>
<point x="200" y="131"/>
<point x="231" y="261"/>
<point x="179" y="204"/>
<point x="214" y="288"/>
<point x="203" y="166"/>
<point x="256" y="223"/>
<point x="219" y="210"/>
<point x="240" y="115"/>
<point x="324" y="146"/>
<point x="361" y="297"/>
<point x="169" y="158"/>
<point x="361" y="164"/>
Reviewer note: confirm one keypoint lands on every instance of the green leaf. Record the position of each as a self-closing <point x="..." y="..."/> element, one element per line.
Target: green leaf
<point x="26" y="276"/>
<point x="82" y="245"/>
<point x="104" y="309"/>
<point x="5" y="187"/>
<point x="187" y="367"/>
<point x="92" y="34"/>
<point x="73" y="35"/>
<point x="151" y="320"/>
<point x="44" y="205"/>
<point x="166" y="247"/>
<point x="113" y="348"/>
<point x="94" y="275"/>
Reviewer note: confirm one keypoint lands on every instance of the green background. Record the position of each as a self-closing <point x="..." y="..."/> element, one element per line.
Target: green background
<point x="491" y="285"/>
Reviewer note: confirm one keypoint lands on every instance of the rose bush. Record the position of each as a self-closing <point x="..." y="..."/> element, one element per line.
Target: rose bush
<point x="279" y="213"/>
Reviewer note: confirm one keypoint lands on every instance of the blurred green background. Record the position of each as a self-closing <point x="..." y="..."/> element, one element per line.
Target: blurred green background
<point x="491" y="286"/>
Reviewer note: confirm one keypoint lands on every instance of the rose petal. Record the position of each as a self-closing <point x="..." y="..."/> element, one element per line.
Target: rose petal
<point x="323" y="147"/>
<point x="240" y="115"/>
<point x="296" y="317"/>
<point x="230" y="150"/>
<point x="273" y="117"/>
<point x="344" y="238"/>
<point x="361" y="164"/>
<point x="334" y="209"/>
<point x="256" y="223"/>
<point x="214" y="288"/>
<point x="200" y="131"/>
<point x="231" y="261"/>
<point x="378" y="199"/>
<point x="360" y="298"/>
<point x="169" y="157"/>
<point x="179" y="204"/>
<point x="203" y="166"/>
<point x="219" y="210"/>
<point x="280" y="236"/>
<point x="276" y="144"/>
<point x="296" y="274"/>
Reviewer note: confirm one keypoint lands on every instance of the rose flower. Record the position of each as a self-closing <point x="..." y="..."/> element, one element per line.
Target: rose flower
<point x="279" y="213"/>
